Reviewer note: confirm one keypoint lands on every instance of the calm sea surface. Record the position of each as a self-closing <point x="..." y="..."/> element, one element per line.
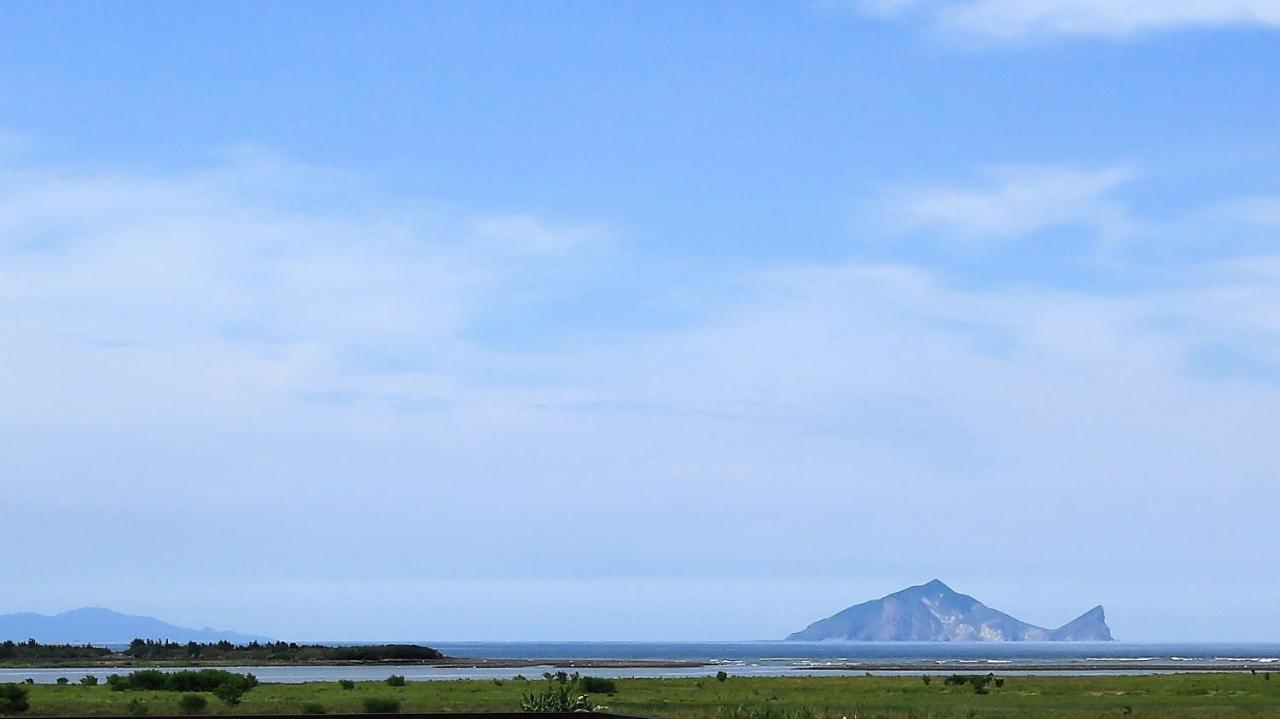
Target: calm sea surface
<point x="759" y="658"/>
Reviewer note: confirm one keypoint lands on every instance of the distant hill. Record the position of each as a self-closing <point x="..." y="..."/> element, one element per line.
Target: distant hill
<point x="93" y="625"/>
<point x="934" y="612"/>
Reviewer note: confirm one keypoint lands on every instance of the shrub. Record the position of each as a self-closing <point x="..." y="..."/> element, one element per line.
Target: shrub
<point x="314" y="708"/>
<point x="229" y="693"/>
<point x="999" y="682"/>
<point x="13" y="699"/>
<point x="192" y="703"/>
<point x="187" y="680"/>
<point x="381" y="705"/>
<point x="89" y="680"/>
<point x="979" y="683"/>
<point x="136" y="707"/>
<point x="597" y="685"/>
<point x="346" y="684"/>
<point x="395" y="680"/>
<point x="63" y="681"/>
<point x="926" y="679"/>
<point x="722" y="676"/>
<point x="519" y="678"/>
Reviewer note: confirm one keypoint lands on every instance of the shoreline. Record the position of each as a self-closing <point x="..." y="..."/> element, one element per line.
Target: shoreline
<point x="1086" y="666"/>
<point x="451" y="662"/>
<point x="923" y="667"/>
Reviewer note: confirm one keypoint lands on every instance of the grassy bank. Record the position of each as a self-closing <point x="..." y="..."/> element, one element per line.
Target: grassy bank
<point x="1200" y="696"/>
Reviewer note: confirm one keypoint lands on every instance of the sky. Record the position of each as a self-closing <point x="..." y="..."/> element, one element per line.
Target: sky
<point x="640" y="320"/>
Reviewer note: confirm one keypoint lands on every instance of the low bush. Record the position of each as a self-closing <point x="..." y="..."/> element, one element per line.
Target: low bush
<point x="722" y="676"/>
<point x="13" y="699"/>
<point x="192" y="703"/>
<point x="314" y="708"/>
<point x="395" y="680"/>
<point x="63" y="681"/>
<point x="597" y="685"/>
<point x="229" y="693"/>
<point x="381" y="705"/>
<point x="89" y="680"/>
<point x="223" y="683"/>
<point x="346" y="684"/>
<point x="136" y="707"/>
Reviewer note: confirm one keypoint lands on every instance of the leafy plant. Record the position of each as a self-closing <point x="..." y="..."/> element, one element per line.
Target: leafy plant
<point x="89" y="680"/>
<point x="722" y="676"/>
<point x="136" y="707"/>
<point x="314" y="708"/>
<point x="346" y="684"/>
<point x="556" y="698"/>
<point x="395" y="680"/>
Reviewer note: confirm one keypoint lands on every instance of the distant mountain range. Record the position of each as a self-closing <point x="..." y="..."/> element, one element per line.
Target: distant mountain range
<point x="93" y="625"/>
<point x="934" y="612"/>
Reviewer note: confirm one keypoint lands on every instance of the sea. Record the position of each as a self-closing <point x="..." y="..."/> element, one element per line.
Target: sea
<point x="768" y="658"/>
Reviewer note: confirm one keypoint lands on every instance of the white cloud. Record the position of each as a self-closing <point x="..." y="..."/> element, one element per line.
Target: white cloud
<point x="1016" y="201"/>
<point x="1019" y="19"/>
<point x="223" y="341"/>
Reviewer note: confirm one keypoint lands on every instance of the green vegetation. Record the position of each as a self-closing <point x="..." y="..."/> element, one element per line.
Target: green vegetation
<point x="395" y="680"/>
<point x="189" y="680"/>
<point x="1180" y="696"/>
<point x="556" y="697"/>
<point x="597" y="685"/>
<point x="381" y="705"/>
<point x="32" y="653"/>
<point x="13" y="699"/>
<point x="192" y="703"/>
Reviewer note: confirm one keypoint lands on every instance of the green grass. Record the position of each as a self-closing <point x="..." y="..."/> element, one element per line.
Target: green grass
<point x="1173" y="696"/>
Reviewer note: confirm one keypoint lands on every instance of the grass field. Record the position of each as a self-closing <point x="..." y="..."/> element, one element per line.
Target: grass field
<point x="1201" y="695"/>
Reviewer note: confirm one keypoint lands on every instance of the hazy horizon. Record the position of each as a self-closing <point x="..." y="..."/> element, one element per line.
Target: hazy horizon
<point x="640" y="320"/>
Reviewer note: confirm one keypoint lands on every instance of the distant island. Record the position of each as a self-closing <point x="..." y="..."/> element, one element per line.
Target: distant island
<point x="934" y="612"/>
<point x="94" y="625"/>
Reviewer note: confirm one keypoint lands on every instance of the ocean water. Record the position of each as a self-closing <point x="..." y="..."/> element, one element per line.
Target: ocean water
<point x="771" y="658"/>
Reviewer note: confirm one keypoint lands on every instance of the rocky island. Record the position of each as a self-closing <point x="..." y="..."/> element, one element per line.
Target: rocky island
<point x="934" y="612"/>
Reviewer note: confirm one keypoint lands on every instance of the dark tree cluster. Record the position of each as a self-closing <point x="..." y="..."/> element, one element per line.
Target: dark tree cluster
<point x="32" y="650"/>
<point x="278" y="652"/>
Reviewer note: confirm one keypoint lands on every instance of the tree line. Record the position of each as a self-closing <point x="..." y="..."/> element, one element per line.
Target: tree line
<point x="149" y="649"/>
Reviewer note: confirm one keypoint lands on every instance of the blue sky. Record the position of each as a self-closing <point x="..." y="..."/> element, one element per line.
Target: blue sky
<point x="640" y="320"/>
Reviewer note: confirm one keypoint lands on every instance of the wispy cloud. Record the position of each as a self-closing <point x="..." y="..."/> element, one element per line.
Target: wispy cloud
<point x="1014" y="202"/>
<point x="234" y="339"/>
<point x="1011" y="20"/>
